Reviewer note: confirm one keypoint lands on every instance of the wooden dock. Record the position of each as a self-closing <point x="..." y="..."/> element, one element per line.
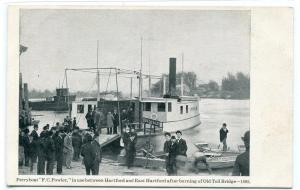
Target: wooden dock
<point x="106" y="139"/>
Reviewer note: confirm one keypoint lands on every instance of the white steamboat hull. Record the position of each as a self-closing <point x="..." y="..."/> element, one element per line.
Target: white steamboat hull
<point x="181" y="125"/>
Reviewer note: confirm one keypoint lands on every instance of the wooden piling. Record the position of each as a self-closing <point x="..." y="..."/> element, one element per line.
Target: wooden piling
<point x="26" y="105"/>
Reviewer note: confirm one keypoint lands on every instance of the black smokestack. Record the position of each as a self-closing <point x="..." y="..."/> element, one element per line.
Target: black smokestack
<point x="172" y="77"/>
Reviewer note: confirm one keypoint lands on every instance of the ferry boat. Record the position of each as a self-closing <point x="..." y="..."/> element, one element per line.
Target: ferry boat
<point x="168" y="113"/>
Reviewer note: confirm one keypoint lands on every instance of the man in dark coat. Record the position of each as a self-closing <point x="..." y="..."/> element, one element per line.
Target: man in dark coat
<point x="88" y="152"/>
<point x="74" y="123"/>
<point x="34" y="137"/>
<point x="89" y="119"/>
<point x="54" y="131"/>
<point x="22" y="119"/>
<point x="26" y="145"/>
<point x="42" y="153"/>
<point x="45" y="130"/>
<point x="76" y="143"/>
<point x="59" y="147"/>
<point x="173" y="152"/>
<point x="223" y="136"/>
<point x="33" y="133"/>
<point x="97" y="148"/>
<point x="32" y="152"/>
<point x="182" y="147"/>
<point x="50" y="153"/>
<point x="54" y="137"/>
<point x="21" y="147"/>
<point x="130" y="148"/>
<point x="241" y="166"/>
<point x="116" y="122"/>
<point x="166" y="149"/>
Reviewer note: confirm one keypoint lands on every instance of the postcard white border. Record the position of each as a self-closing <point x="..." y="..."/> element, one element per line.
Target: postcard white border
<point x="271" y="104"/>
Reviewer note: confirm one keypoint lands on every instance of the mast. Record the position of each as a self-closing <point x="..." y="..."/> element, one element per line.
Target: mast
<point x="149" y="79"/>
<point x="182" y="58"/>
<point x="98" y="74"/>
<point x="141" y="86"/>
<point x="141" y="68"/>
<point x="164" y="85"/>
<point x="118" y="102"/>
<point x="66" y="76"/>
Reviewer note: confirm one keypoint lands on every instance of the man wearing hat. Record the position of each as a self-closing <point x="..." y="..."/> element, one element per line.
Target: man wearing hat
<point x="50" y="152"/>
<point x="26" y="145"/>
<point x="171" y="158"/>
<point x="130" y="148"/>
<point x="223" y="136"/>
<point x="33" y="133"/>
<point x="182" y="147"/>
<point x="42" y="153"/>
<point x="59" y="147"/>
<point x="241" y="166"/>
<point x="45" y="130"/>
<point x="76" y="143"/>
<point x="166" y="149"/>
<point x="88" y="153"/>
<point x="98" y="154"/>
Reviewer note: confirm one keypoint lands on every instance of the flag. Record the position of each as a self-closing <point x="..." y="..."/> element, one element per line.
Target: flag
<point x="23" y="49"/>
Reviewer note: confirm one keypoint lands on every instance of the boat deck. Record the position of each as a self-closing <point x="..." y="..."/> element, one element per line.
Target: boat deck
<point x="106" y="139"/>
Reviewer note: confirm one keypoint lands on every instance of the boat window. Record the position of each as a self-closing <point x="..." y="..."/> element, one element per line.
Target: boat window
<point x="147" y="106"/>
<point x="90" y="107"/>
<point x="169" y="106"/>
<point x="80" y="108"/>
<point x="161" y="107"/>
<point x="187" y="109"/>
<point x="181" y="109"/>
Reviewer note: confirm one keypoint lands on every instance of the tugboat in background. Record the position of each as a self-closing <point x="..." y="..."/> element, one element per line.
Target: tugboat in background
<point x="55" y="103"/>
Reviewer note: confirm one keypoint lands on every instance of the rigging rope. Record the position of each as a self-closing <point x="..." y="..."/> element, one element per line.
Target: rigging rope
<point x="105" y="92"/>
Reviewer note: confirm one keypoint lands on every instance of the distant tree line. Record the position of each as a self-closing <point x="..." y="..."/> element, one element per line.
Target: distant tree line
<point x="40" y="94"/>
<point x="236" y="86"/>
<point x="232" y="86"/>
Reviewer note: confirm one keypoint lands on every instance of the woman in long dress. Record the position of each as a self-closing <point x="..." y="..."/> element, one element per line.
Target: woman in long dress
<point x="110" y="122"/>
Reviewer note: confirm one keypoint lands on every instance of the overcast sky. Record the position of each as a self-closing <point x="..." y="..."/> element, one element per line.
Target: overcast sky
<point x="213" y="42"/>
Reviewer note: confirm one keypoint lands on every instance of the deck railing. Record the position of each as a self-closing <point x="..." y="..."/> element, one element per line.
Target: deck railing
<point x="147" y="126"/>
<point x="151" y="126"/>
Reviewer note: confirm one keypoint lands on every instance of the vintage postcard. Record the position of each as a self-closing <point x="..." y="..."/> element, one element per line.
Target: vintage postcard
<point x="149" y="96"/>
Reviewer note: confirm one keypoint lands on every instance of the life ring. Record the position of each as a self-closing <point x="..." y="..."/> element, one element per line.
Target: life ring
<point x="154" y="116"/>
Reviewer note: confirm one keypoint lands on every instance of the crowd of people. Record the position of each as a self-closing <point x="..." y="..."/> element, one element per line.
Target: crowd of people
<point x="63" y="144"/>
<point x="96" y="120"/>
<point x="58" y="146"/>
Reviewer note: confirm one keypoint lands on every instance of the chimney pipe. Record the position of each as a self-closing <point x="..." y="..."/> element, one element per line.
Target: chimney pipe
<point x="172" y="77"/>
